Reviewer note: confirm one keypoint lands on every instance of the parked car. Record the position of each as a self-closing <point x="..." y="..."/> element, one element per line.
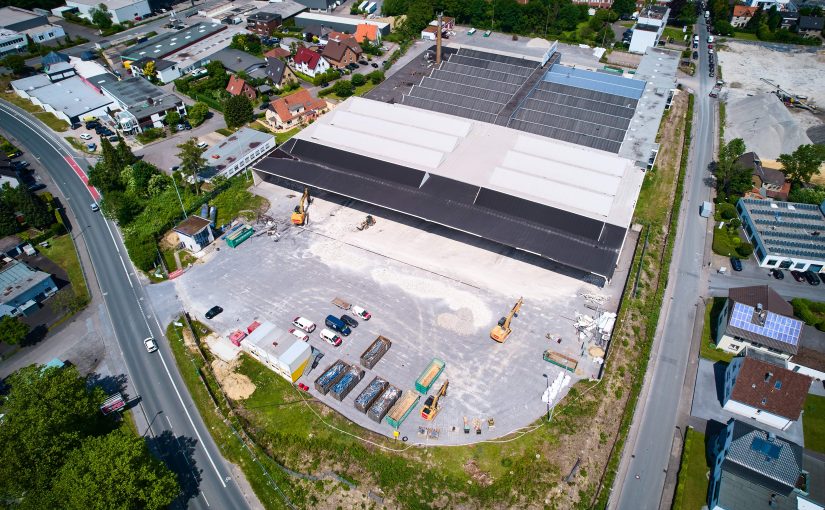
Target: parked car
<point x="37" y="186"/>
<point x="186" y="125"/>
<point x="821" y="276"/>
<point x="363" y="62"/>
<point x="330" y="337"/>
<point x="213" y="312"/>
<point x="19" y="165"/>
<point x="778" y="274"/>
<point x="798" y="276"/>
<point x="303" y="324"/>
<point x="297" y="333"/>
<point x="349" y="321"/>
<point x="151" y="345"/>
<point x="360" y="312"/>
<point x="375" y="65"/>
<point x="736" y="264"/>
<point x="337" y="324"/>
<point x="811" y="278"/>
<point x="85" y="136"/>
<point x="180" y="127"/>
<point x="114" y="138"/>
<point x="202" y="145"/>
<point x="695" y="55"/>
<point x="352" y="66"/>
<point x="91" y="147"/>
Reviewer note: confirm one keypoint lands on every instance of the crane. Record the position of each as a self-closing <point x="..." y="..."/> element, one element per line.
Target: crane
<point x="431" y="406"/>
<point x="502" y="330"/>
<point x="299" y="215"/>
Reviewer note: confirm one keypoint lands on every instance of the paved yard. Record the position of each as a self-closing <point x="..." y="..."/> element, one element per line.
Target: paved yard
<point x="707" y="403"/>
<point x="164" y="154"/>
<point x="432" y="295"/>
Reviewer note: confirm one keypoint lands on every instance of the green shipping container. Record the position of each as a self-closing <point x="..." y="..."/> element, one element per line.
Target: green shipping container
<point x="430" y="374"/>
<point x="402" y="408"/>
<point x="239" y="236"/>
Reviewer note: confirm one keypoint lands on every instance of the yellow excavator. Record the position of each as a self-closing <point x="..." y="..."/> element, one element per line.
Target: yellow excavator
<point x="502" y="330"/>
<point x="431" y="406"/>
<point x="299" y="215"/>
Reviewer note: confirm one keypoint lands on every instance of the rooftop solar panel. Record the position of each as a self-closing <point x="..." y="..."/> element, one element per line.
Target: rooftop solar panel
<point x="451" y="76"/>
<point x="600" y="82"/>
<point x="571" y="124"/>
<point x="777" y="327"/>
<point x="450" y="109"/>
<point x="499" y="58"/>
<point x="576" y="113"/>
<point x="467" y="90"/>
<point x="483" y="73"/>
<point x="488" y="64"/>
<point x="770" y="450"/>
<point x="594" y="95"/>
<point x="463" y="101"/>
<point x="582" y="103"/>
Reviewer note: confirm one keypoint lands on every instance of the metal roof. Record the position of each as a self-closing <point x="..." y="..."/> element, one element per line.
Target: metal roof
<point x="771" y="462"/>
<point x="168" y="43"/>
<point x="17" y="278"/>
<point x="71" y="96"/>
<point x="133" y="91"/>
<point x="786" y="228"/>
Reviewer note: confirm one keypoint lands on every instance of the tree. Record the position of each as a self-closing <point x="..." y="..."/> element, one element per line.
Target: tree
<point x="101" y="16"/>
<point x="343" y="88"/>
<point x="149" y="69"/>
<point x="8" y="220"/>
<point x="33" y="208"/>
<point x="13" y="330"/>
<point x="157" y="183"/>
<point x="237" y="111"/>
<point x="803" y="163"/>
<point x="15" y="63"/>
<point x="249" y="43"/>
<point x="191" y="158"/>
<point x="172" y="118"/>
<point x="623" y="7"/>
<point x="358" y="79"/>
<point x="732" y="177"/>
<point x="142" y="249"/>
<point x="92" y="473"/>
<point x="723" y="27"/>
<point x="197" y="113"/>
<point x="125" y="156"/>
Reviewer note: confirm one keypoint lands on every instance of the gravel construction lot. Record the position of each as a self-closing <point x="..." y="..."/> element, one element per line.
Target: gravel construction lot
<point x="765" y="124"/>
<point x="432" y="295"/>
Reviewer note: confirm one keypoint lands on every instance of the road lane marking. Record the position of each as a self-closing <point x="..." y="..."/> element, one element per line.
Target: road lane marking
<point x="83" y="177"/>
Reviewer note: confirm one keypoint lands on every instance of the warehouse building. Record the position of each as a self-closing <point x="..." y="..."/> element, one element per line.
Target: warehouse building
<point x="70" y="100"/>
<point x="120" y="10"/>
<point x="547" y="197"/>
<point x="164" y="45"/>
<point x="337" y="23"/>
<point x="22" y="288"/>
<point x="236" y="153"/>
<point x="138" y="105"/>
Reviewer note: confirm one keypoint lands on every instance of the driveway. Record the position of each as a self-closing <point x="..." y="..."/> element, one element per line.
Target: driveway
<point x="752" y="274"/>
<point x="164" y="154"/>
<point x="707" y="401"/>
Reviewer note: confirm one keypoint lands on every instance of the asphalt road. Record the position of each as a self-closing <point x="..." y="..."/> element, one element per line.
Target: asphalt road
<point x="642" y="473"/>
<point x="175" y="430"/>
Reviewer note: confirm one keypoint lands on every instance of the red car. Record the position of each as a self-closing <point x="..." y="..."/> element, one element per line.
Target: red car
<point x="710" y="46"/>
<point x="303" y="386"/>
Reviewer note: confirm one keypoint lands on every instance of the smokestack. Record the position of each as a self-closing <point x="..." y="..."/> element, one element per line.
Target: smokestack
<point x="438" y="41"/>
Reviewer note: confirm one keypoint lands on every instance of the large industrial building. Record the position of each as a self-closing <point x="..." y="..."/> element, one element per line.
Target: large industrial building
<point x="515" y="149"/>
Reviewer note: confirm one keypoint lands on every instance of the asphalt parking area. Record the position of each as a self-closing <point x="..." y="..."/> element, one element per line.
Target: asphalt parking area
<point x="432" y="295"/>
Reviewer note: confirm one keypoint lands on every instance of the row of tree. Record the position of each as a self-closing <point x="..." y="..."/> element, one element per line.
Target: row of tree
<point x="19" y="208"/>
<point x="57" y="450"/>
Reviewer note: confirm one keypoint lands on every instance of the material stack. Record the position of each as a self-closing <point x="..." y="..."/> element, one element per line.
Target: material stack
<point x="370" y="394"/>
<point x="402" y="408"/>
<point x="375" y="352"/>
<point x="349" y="381"/>
<point x="330" y="376"/>
<point x="383" y="404"/>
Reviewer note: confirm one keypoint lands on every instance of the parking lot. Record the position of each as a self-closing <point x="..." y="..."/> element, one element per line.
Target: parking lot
<point x="431" y="293"/>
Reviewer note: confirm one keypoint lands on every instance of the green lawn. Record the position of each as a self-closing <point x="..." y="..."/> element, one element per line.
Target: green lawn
<point x="813" y="423"/>
<point x="16" y="100"/>
<point x="746" y="36"/>
<point x="692" y="488"/>
<point x="675" y="33"/>
<point x="286" y="135"/>
<point x="62" y="252"/>
<point x="52" y="121"/>
<point x="708" y="349"/>
<point x="725" y="243"/>
<point x="235" y="199"/>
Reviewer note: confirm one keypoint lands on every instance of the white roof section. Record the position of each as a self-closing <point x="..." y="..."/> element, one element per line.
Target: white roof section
<point x="32" y="82"/>
<point x="536" y="49"/>
<point x="592" y="183"/>
<point x="277" y="344"/>
<point x="87" y="68"/>
<point x="327" y="18"/>
<point x="71" y="96"/>
<point x="111" y="4"/>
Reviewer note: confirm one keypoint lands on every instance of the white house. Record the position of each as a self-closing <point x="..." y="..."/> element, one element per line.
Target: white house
<point x="759" y="387"/>
<point x="649" y="28"/>
<point x="121" y="10"/>
<point x="194" y="233"/>
<point x="309" y="62"/>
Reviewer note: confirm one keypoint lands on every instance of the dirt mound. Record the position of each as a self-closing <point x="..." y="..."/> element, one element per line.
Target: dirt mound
<point x="236" y="386"/>
<point x="169" y="241"/>
<point x="459" y="322"/>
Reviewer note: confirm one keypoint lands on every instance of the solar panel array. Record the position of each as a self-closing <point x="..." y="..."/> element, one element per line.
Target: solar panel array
<point x="471" y="84"/>
<point x="581" y="107"/>
<point x="777" y="327"/>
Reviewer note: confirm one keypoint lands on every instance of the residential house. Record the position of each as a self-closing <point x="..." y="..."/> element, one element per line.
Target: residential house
<point x="430" y="33"/>
<point x="278" y="53"/>
<point x="768" y="182"/>
<point x="279" y="73"/>
<point x="295" y="109"/>
<point x="238" y="61"/>
<point x="366" y="32"/>
<point x="139" y="105"/>
<point x="742" y="14"/>
<point x="759" y="319"/>
<point x="165" y="71"/>
<point x="811" y="25"/>
<point x="194" y="233"/>
<point x="22" y="288"/>
<point x="238" y="86"/>
<point x="340" y="54"/>
<point x="309" y="62"/>
<point x="759" y="387"/>
<point x="754" y="469"/>
<point x="338" y="37"/>
<point x="765" y="5"/>
<point x="649" y="28"/>
<point x="263" y="22"/>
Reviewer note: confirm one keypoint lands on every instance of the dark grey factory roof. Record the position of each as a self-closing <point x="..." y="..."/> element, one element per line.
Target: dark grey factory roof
<point x="132" y="91"/>
<point x="568" y="238"/>
<point x="285" y="8"/>
<point x="770" y="462"/>
<point x="99" y="80"/>
<point x="811" y="23"/>
<point x="237" y="60"/>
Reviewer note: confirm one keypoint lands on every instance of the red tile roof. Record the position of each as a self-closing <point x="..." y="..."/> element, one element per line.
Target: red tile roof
<point x="756" y="386"/>
<point x="238" y="86"/>
<point x="307" y="56"/>
<point x="277" y="53"/>
<point x="742" y="10"/>
<point x="365" y="31"/>
<point x="286" y="105"/>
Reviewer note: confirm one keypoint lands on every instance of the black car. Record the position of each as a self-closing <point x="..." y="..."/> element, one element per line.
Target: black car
<point x="349" y="321"/>
<point x="37" y="186"/>
<point x="736" y="264"/>
<point x="798" y="276"/>
<point x="375" y="65"/>
<point x="92" y="125"/>
<point x="811" y="278"/>
<point x="114" y="138"/>
<point x="18" y="165"/>
<point x="695" y="55"/>
<point x="778" y="274"/>
<point x="212" y="312"/>
<point x="363" y="62"/>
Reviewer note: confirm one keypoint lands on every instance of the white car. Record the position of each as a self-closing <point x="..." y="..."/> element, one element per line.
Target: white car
<point x="297" y="333"/>
<point x="303" y="324"/>
<point x="360" y="312"/>
<point x="85" y="136"/>
<point x="202" y="145"/>
<point x="151" y="345"/>
<point x="330" y="337"/>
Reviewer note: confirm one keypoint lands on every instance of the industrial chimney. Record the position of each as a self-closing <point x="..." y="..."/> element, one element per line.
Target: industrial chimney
<point x="438" y="41"/>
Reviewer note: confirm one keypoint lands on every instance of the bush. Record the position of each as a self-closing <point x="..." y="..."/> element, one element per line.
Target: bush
<point x="744" y="250"/>
<point x="726" y="211"/>
<point x="376" y="77"/>
<point x="358" y="80"/>
<point x="142" y="250"/>
<point x="343" y="88"/>
<point x="150" y="135"/>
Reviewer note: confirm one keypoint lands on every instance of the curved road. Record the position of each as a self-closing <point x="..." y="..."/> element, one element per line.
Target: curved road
<point x="175" y="429"/>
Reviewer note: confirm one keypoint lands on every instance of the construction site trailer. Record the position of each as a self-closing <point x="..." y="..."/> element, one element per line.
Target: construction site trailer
<point x="428" y="377"/>
<point x="239" y="236"/>
<point x="382" y="404"/>
<point x="402" y="408"/>
<point x="330" y="376"/>
<point x="294" y="360"/>
<point x="375" y="351"/>
<point x="559" y="359"/>
<point x="370" y="394"/>
<point x="349" y="381"/>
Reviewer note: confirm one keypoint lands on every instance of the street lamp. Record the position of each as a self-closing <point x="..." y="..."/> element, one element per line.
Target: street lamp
<point x="74" y="237"/>
<point x="548" y="396"/>
<point x="174" y="182"/>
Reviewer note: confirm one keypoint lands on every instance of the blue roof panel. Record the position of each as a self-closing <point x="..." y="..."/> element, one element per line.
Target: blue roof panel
<point x="777" y="327"/>
<point x="591" y="80"/>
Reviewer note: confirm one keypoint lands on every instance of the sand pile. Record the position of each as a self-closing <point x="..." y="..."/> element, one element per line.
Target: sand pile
<point x="765" y="125"/>
<point x="236" y="386"/>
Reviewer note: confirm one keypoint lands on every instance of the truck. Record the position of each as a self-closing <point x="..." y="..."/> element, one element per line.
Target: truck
<point x="370" y="394"/>
<point x="382" y="404"/>
<point x="330" y="376"/>
<point x="402" y="408"/>
<point x="375" y="351"/>
<point x="237" y="237"/>
<point x="430" y="374"/>
<point x="346" y="383"/>
<point x="710" y="39"/>
<point x="340" y="303"/>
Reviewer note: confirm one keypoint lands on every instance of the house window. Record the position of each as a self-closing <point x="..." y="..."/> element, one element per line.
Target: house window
<point x="764" y="401"/>
<point x="799" y="265"/>
<point x="771" y="262"/>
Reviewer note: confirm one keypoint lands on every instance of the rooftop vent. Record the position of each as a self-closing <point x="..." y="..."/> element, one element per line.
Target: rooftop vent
<point x="768" y="376"/>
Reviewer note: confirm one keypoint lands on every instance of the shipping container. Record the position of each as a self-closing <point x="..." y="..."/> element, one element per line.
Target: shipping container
<point x="370" y="394"/>
<point x="382" y="404"/>
<point x="375" y="352"/>
<point x="428" y="377"/>
<point x="239" y="236"/>
<point x="402" y="408"/>
<point x="330" y="376"/>
<point x="560" y="360"/>
<point x="346" y="384"/>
